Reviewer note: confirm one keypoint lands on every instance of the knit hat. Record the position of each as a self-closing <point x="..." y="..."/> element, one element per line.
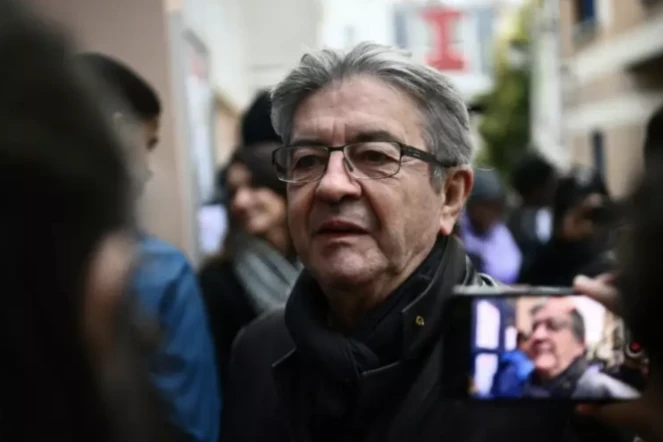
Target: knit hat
<point x="259" y="140"/>
<point x="257" y="122"/>
<point x="487" y="186"/>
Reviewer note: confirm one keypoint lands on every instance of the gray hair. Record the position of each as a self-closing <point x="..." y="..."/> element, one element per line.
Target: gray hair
<point x="447" y="132"/>
<point x="577" y="321"/>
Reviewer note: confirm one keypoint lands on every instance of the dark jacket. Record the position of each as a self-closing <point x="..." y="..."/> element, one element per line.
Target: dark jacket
<point x="578" y="381"/>
<point x="558" y="263"/>
<point x="228" y="309"/>
<point x="512" y="372"/>
<point x="278" y="392"/>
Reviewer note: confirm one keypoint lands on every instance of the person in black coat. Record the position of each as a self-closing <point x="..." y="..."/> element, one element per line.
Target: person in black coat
<point x="376" y="156"/>
<point x="580" y="243"/>
<point x="257" y="266"/>
<point x="531" y="221"/>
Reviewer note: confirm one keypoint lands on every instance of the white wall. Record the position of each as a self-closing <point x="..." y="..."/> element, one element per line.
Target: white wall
<point x="253" y="43"/>
<point x="277" y="35"/>
<point x="220" y="25"/>
<point x="348" y="22"/>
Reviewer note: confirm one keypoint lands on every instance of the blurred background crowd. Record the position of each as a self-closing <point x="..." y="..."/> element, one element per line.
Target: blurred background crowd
<point x="575" y="80"/>
<point x="564" y="96"/>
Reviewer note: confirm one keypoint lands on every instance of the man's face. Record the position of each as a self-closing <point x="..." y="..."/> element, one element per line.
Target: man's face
<point x="553" y="345"/>
<point x="396" y="219"/>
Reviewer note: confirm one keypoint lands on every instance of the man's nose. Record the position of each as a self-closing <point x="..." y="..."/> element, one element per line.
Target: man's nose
<point x="337" y="183"/>
<point x="539" y="333"/>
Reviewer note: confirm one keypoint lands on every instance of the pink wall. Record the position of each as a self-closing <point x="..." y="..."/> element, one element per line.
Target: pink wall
<point x="136" y="32"/>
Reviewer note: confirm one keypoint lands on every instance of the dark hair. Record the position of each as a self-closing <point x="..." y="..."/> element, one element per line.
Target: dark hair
<point x="641" y="280"/>
<point x="577" y="322"/>
<point x="521" y="337"/>
<point x="531" y="174"/>
<point x="137" y="93"/>
<point x="654" y="135"/>
<point x="257" y="122"/>
<point x="573" y="188"/>
<point x="63" y="187"/>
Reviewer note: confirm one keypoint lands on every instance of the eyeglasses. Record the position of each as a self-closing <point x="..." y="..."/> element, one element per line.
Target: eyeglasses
<point x="372" y="160"/>
<point x="551" y="324"/>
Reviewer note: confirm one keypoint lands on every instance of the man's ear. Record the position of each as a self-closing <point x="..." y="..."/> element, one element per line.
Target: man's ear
<point x="456" y="191"/>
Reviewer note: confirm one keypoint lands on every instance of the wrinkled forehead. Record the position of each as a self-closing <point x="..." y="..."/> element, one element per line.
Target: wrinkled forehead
<point x="347" y="110"/>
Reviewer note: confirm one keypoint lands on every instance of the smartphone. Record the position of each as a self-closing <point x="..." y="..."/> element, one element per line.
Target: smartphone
<point x="534" y="343"/>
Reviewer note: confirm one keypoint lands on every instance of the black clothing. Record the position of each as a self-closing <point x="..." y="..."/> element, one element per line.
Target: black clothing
<point x="580" y="383"/>
<point x="294" y="379"/>
<point x="562" y="386"/>
<point x="632" y="376"/>
<point x="522" y="225"/>
<point x="558" y="262"/>
<point x="229" y="310"/>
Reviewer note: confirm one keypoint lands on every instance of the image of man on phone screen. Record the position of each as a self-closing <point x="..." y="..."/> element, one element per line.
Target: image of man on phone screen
<point x="558" y="350"/>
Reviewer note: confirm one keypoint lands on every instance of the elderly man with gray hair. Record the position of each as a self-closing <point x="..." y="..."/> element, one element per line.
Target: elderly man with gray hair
<point x="376" y="156"/>
<point x="558" y="350"/>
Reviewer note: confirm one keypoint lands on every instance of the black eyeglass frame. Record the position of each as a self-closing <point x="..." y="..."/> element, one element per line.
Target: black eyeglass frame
<point x="405" y="150"/>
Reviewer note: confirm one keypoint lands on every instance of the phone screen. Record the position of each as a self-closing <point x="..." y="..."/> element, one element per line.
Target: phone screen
<point x="527" y="346"/>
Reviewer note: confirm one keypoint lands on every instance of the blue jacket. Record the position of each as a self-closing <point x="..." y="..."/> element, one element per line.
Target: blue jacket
<point x="183" y="368"/>
<point x="512" y="373"/>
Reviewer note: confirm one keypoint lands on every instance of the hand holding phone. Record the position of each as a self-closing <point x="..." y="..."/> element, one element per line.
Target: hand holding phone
<point x="641" y="415"/>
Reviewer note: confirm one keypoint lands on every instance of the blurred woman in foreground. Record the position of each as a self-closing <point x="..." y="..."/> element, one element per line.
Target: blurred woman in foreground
<point x="71" y="360"/>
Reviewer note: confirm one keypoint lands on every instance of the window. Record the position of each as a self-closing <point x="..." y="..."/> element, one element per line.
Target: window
<point x="598" y="151"/>
<point x="585" y="11"/>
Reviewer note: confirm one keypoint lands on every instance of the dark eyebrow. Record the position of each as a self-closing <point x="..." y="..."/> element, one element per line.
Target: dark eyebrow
<point x="362" y="137"/>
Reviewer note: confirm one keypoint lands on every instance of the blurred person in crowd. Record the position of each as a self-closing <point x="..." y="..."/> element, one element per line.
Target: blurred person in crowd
<point x="183" y="366"/>
<point x="580" y="240"/>
<point x="558" y="349"/>
<point x="654" y="135"/>
<point x="486" y="238"/>
<point x="376" y="157"/>
<point x="257" y="267"/>
<point x="72" y="367"/>
<point x="531" y="222"/>
<point x="514" y="369"/>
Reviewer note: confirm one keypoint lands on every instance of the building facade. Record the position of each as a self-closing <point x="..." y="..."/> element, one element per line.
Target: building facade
<point x="456" y="37"/>
<point x="546" y="125"/>
<point x="612" y="56"/>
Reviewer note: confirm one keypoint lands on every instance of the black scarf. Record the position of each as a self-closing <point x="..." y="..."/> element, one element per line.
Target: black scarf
<point x="562" y="386"/>
<point x="375" y="341"/>
<point x="332" y="381"/>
